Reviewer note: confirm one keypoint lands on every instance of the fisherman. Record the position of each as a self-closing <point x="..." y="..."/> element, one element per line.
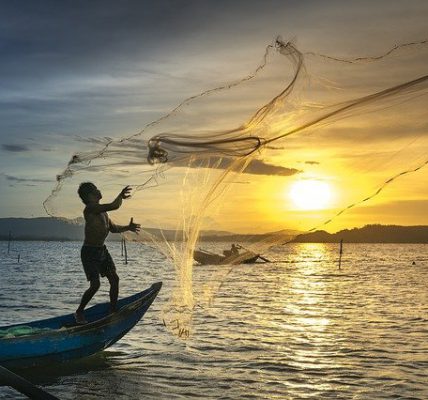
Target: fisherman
<point x="96" y="259"/>
<point x="232" y="252"/>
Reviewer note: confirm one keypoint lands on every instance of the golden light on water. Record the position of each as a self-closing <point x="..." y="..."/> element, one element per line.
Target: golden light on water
<point x="310" y="194"/>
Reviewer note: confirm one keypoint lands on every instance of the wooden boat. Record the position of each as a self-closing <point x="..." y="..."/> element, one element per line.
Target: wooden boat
<point x="206" y="258"/>
<point x="59" y="339"/>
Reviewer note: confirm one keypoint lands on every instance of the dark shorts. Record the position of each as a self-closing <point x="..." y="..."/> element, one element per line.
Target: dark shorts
<point x="96" y="261"/>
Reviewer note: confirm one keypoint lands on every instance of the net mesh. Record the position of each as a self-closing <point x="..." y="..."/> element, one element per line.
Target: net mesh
<point x="306" y="142"/>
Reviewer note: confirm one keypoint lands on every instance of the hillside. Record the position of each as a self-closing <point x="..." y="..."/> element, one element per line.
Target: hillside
<point x="370" y="234"/>
<point x="40" y="229"/>
<point x="55" y="229"/>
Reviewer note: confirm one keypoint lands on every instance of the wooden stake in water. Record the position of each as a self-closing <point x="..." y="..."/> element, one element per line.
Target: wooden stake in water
<point x="340" y="252"/>
<point x="126" y="251"/>
<point x="8" y="242"/>
<point x="121" y="245"/>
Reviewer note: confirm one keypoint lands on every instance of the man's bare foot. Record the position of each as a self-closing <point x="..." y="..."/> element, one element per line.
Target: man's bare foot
<point x="112" y="310"/>
<point x="80" y="318"/>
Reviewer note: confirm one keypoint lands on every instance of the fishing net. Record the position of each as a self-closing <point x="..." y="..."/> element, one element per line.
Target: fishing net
<point x="305" y="142"/>
<point x="23" y="330"/>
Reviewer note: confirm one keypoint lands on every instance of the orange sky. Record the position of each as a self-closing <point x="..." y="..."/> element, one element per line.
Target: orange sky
<point x="59" y="94"/>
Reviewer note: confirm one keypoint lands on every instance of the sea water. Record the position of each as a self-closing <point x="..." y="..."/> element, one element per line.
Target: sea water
<point x="296" y="328"/>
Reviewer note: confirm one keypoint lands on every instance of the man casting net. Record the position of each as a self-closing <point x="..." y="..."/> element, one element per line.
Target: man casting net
<point x="307" y="141"/>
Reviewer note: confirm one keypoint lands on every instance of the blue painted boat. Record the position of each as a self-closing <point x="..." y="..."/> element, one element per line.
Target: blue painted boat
<point x="59" y="339"/>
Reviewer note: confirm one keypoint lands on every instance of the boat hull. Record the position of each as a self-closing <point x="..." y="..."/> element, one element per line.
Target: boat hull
<point x="205" y="258"/>
<point x="66" y="341"/>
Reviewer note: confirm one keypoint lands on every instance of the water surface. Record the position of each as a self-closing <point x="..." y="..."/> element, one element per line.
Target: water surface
<point x="297" y="328"/>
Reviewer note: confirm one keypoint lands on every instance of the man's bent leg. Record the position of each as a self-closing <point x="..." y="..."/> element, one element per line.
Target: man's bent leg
<point x="113" y="278"/>
<point x="87" y="296"/>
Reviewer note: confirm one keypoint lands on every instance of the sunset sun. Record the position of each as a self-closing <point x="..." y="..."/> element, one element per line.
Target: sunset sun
<point x="310" y="194"/>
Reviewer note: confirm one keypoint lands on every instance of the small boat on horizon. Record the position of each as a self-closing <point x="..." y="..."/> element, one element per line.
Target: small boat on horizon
<point x="204" y="257"/>
<point x="59" y="339"/>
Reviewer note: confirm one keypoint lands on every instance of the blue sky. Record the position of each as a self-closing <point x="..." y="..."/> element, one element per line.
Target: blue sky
<point x="74" y="69"/>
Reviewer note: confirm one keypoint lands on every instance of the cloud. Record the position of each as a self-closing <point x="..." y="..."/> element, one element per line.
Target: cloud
<point x="28" y="181"/>
<point x="312" y="162"/>
<point x="21" y="148"/>
<point x="256" y="167"/>
<point x="14" y="148"/>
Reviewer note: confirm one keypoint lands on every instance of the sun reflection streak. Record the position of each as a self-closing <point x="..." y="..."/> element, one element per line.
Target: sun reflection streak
<point x="308" y="308"/>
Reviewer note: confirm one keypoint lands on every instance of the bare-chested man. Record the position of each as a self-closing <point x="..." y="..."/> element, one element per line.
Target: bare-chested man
<point x="96" y="259"/>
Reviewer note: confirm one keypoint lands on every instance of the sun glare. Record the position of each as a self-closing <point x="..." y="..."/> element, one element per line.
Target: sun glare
<point x="310" y="194"/>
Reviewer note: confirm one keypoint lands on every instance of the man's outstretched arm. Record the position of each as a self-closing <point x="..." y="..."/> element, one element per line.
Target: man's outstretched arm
<point x="119" y="228"/>
<point x="114" y="205"/>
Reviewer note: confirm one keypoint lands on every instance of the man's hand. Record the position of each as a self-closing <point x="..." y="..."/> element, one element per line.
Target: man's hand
<point x="134" y="227"/>
<point x="125" y="193"/>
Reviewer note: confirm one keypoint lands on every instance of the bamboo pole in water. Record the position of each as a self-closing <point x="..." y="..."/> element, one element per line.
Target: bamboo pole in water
<point x="20" y="384"/>
<point x="8" y="242"/>
<point x="340" y="252"/>
<point x="126" y="251"/>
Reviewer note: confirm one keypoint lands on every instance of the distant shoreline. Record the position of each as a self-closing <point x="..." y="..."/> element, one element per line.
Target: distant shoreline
<point x="55" y="230"/>
<point x="218" y="240"/>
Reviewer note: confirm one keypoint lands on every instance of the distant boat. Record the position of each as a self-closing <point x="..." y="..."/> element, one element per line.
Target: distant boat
<point x="207" y="258"/>
<point x="59" y="339"/>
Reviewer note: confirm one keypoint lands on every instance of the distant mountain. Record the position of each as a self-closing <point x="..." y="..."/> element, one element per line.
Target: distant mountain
<point x="46" y="228"/>
<point x="57" y="229"/>
<point x="40" y="229"/>
<point x="370" y="234"/>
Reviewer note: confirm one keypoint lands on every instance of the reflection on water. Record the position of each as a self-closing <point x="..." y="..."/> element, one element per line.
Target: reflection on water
<point x="296" y="328"/>
<point x="49" y="374"/>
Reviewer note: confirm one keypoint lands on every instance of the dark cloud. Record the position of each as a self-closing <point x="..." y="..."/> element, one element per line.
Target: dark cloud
<point x="312" y="162"/>
<point x="28" y="181"/>
<point x="42" y="39"/>
<point x="15" y="148"/>
<point x="20" y="148"/>
<point x="256" y="167"/>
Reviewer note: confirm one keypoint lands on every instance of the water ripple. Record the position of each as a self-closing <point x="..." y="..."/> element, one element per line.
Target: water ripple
<point x="295" y="329"/>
